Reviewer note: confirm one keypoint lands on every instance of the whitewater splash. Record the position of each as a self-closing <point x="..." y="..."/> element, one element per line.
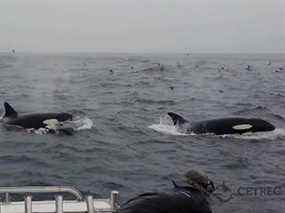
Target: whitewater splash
<point x="166" y="126"/>
<point x="81" y="123"/>
<point x="270" y="135"/>
<point x="168" y="129"/>
<point x="78" y="123"/>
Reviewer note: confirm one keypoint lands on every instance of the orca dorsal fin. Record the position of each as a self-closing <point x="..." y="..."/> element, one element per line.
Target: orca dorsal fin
<point x="9" y="111"/>
<point x="177" y="119"/>
<point x="174" y="184"/>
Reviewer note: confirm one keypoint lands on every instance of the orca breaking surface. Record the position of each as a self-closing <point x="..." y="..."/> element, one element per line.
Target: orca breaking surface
<point x="48" y="122"/>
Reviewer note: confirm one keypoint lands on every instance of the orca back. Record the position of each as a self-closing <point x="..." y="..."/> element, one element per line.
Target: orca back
<point x="36" y="121"/>
<point x="232" y="126"/>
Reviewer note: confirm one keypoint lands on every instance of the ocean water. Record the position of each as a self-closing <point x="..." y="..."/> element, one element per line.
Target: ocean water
<point x="120" y="151"/>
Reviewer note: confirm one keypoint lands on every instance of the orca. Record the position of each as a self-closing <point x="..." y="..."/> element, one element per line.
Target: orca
<point x="192" y="197"/>
<point x="51" y="122"/>
<point x="222" y="126"/>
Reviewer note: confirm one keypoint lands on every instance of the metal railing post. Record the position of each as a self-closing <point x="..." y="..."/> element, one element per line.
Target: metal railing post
<point x="7" y="197"/>
<point x="90" y="204"/>
<point x="28" y="204"/>
<point x="114" y="201"/>
<point x="59" y="204"/>
<point x="42" y="189"/>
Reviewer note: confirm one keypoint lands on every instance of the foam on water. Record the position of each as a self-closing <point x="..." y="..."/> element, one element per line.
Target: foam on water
<point x="79" y="123"/>
<point x="168" y="129"/>
<point x="270" y="135"/>
<point x="83" y="123"/>
<point x="166" y="126"/>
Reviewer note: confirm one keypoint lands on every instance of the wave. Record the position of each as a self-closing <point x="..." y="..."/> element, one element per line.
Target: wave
<point x="5" y="66"/>
<point x="254" y="109"/>
<point x="151" y="101"/>
<point x="83" y="123"/>
<point x="260" y="111"/>
<point x="166" y="126"/>
<point x="23" y="159"/>
<point x="270" y="135"/>
<point x="168" y="129"/>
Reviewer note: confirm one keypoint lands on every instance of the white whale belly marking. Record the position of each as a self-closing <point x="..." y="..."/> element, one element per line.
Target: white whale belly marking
<point x="52" y="124"/>
<point x="242" y="127"/>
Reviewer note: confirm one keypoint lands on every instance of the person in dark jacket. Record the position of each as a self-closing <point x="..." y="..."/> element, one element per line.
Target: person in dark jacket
<point x="191" y="198"/>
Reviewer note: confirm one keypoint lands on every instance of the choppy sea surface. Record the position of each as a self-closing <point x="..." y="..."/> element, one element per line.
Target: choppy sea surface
<point x="124" y="95"/>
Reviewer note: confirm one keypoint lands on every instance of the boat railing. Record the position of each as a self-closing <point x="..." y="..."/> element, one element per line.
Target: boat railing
<point x="58" y="204"/>
<point x="40" y="189"/>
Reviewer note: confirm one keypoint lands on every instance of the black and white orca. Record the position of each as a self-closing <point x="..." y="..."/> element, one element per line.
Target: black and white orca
<point x="192" y="197"/>
<point x="222" y="126"/>
<point x="51" y="122"/>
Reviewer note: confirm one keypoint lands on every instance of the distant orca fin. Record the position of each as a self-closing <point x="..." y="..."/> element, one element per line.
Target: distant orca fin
<point x="174" y="184"/>
<point x="177" y="119"/>
<point x="9" y="111"/>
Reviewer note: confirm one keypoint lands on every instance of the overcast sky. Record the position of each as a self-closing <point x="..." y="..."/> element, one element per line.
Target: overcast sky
<point x="143" y="25"/>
